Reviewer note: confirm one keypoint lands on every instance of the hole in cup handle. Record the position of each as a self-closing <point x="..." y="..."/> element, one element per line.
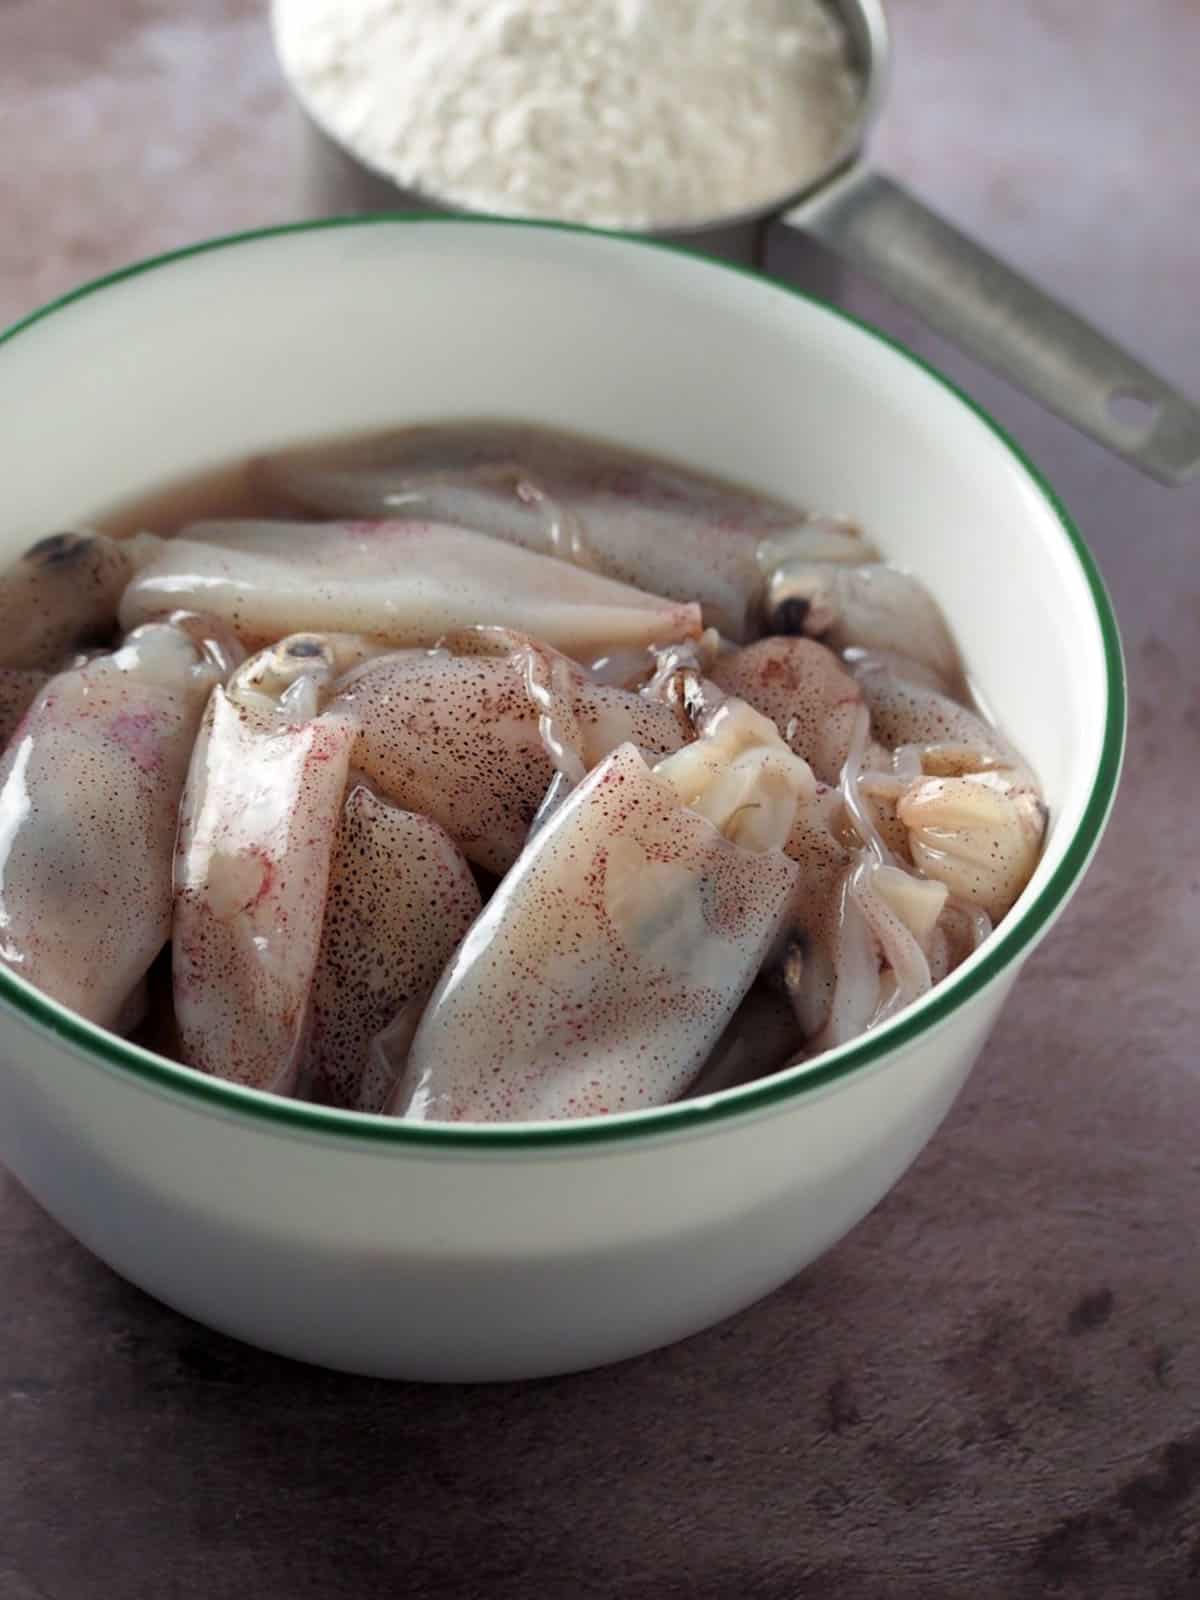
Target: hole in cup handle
<point x="1004" y="320"/>
<point x="1133" y="410"/>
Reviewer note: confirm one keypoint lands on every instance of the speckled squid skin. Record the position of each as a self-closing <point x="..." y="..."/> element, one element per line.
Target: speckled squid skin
<point x="455" y="735"/>
<point x="260" y="810"/>
<point x="977" y="834"/>
<point x="400" y="898"/>
<point x="64" y="591"/>
<point x="406" y="582"/>
<point x="804" y="689"/>
<point x="602" y="972"/>
<point x="908" y="711"/>
<point x="89" y="796"/>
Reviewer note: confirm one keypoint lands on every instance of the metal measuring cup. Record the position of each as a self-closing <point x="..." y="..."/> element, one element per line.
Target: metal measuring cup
<point x="877" y="226"/>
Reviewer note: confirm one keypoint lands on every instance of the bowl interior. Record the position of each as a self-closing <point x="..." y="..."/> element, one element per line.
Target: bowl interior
<point x="288" y="335"/>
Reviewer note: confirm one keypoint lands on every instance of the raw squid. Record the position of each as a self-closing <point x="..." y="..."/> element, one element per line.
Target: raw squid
<point x="472" y="734"/>
<point x="918" y="673"/>
<point x="20" y="686"/>
<point x="968" y="802"/>
<point x="947" y="738"/>
<point x="805" y="691"/>
<point x="972" y="830"/>
<point x="980" y="835"/>
<point x="89" y="793"/>
<point x="864" y="953"/>
<point x="256" y="831"/>
<point x="400" y="899"/>
<point x="739" y="774"/>
<point x="604" y="969"/>
<point x="960" y="931"/>
<point x="664" y="530"/>
<point x="818" y="844"/>
<point x="842" y="936"/>
<point x="872" y="607"/>
<point x="64" y="592"/>
<point x="405" y="582"/>
<point x="823" y="539"/>
<point x="823" y="840"/>
<point x="514" y="811"/>
<point x="873" y="777"/>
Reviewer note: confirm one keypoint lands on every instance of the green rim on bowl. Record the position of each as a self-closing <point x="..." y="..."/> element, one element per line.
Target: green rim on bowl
<point x="1001" y="949"/>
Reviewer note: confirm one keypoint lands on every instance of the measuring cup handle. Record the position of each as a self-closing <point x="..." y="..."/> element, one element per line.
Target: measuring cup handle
<point x="1003" y="320"/>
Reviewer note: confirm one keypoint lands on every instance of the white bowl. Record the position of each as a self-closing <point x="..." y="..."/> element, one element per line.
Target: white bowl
<point x="475" y="1252"/>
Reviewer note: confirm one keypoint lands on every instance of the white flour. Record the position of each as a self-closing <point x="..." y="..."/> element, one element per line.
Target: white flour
<point x="616" y="112"/>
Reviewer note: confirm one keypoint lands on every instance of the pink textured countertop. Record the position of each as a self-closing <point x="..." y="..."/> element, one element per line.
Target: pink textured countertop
<point x="991" y="1389"/>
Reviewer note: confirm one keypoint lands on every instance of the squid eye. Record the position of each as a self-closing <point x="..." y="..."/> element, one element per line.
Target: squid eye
<point x="305" y="649"/>
<point x="59" y="549"/>
<point x="800" y="601"/>
<point x="791" y="615"/>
